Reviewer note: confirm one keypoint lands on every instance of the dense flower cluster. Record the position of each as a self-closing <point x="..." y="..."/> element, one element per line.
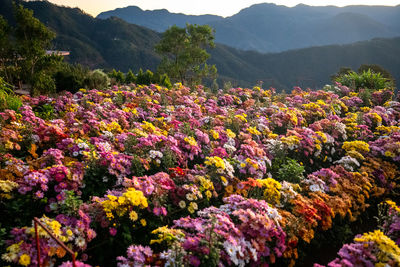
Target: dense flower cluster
<point x="237" y="177"/>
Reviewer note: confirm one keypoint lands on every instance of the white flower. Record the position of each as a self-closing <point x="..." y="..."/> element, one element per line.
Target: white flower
<point x="182" y="204"/>
<point x="189" y="196"/>
<point x="75" y="153"/>
<point x="35" y="138"/>
<point x="315" y="188"/>
<point x="80" y="242"/>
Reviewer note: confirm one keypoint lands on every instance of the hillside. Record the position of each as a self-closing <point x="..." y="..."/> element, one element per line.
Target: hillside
<point x="95" y="42"/>
<point x="114" y="43"/>
<point x="274" y="28"/>
<point x="306" y="67"/>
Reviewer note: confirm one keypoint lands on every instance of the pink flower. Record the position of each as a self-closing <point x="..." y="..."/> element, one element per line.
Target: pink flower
<point x="113" y="231"/>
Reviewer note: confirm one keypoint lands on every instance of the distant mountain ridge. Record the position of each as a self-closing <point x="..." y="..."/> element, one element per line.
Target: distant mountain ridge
<point x="114" y="43"/>
<point x="158" y="20"/>
<point x="275" y="28"/>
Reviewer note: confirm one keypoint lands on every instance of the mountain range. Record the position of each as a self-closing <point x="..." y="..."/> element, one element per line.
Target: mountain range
<point x="114" y="43"/>
<point x="274" y="28"/>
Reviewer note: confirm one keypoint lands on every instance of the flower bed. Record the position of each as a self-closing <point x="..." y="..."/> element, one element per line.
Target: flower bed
<point x="183" y="176"/>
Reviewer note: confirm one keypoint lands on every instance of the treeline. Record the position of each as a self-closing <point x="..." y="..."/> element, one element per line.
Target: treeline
<point x="142" y="77"/>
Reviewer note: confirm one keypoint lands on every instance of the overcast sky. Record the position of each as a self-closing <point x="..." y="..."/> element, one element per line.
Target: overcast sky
<point x="217" y="7"/>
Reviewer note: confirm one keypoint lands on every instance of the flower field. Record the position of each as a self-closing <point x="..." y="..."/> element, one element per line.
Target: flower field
<point x="145" y="175"/>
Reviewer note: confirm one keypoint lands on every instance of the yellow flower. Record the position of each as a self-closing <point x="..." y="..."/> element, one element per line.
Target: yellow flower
<point x="166" y="234"/>
<point x="291" y="140"/>
<point x="7" y="186"/>
<point x="323" y="136"/>
<point x="387" y="247"/>
<point x="359" y="146"/>
<point x="143" y="222"/>
<point x="217" y="161"/>
<point x="191" y="141"/>
<point x="224" y="181"/>
<point x="193" y="205"/>
<point x="389" y="154"/>
<point x="69" y="232"/>
<point x="24" y="260"/>
<point x="230" y="134"/>
<point x="133" y="215"/>
<point x="271" y="190"/>
<point x="241" y="117"/>
<point x="191" y="209"/>
<point x="253" y="130"/>
<point x="393" y="205"/>
<point x="215" y="134"/>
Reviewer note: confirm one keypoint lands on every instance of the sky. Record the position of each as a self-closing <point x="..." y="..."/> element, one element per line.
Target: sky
<point x="197" y="7"/>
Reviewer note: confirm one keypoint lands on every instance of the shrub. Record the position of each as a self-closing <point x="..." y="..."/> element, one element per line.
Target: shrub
<point x="365" y="80"/>
<point x="8" y="100"/>
<point x="96" y="79"/>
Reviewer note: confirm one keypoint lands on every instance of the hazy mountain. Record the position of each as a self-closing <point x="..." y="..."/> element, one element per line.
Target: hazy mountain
<point x="274" y="28"/>
<point x="158" y="20"/>
<point x="114" y="43"/>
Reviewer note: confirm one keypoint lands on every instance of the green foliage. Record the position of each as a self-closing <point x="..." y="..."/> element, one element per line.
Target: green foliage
<point x="169" y="159"/>
<point x="165" y="81"/>
<point x="130" y="77"/>
<point x="215" y="86"/>
<point x="71" y="203"/>
<point x="73" y="77"/>
<point x="32" y="38"/>
<point x="378" y="69"/>
<point x="45" y="111"/>
<point x="117" y="77"/>
<point x="5" y="49"/>
<point x="145" y="78"/>
<point x="365" y="80"/>
<point x="184" y="53"/>
<point x="8" y="100"/>
<point x="42" y="83"/>
<point x="291" y="171"/>
<point x="96" y="79"/>
<point x="70" y="77"/>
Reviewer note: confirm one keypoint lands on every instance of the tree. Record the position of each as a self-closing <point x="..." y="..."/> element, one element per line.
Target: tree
<point x="32" y="39"/>
<point x="130" y="77"/>
<point x="145" y="78"/>
<point x="184" y="53"/>
<point x="5" y="48"/>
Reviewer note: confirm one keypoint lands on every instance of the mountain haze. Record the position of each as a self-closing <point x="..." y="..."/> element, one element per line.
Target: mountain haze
<point x="275" y="28"/>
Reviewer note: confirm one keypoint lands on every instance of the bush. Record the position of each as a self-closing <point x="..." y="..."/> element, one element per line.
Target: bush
<point x="73" y="77"/>
<point x="43" y="83"/>
<point x="96" y="79"/>
<point x="291" y="172"/>
<point x="365" y="80"/>
<point x="8" y="100"/>
<point x="70" y="77"/>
